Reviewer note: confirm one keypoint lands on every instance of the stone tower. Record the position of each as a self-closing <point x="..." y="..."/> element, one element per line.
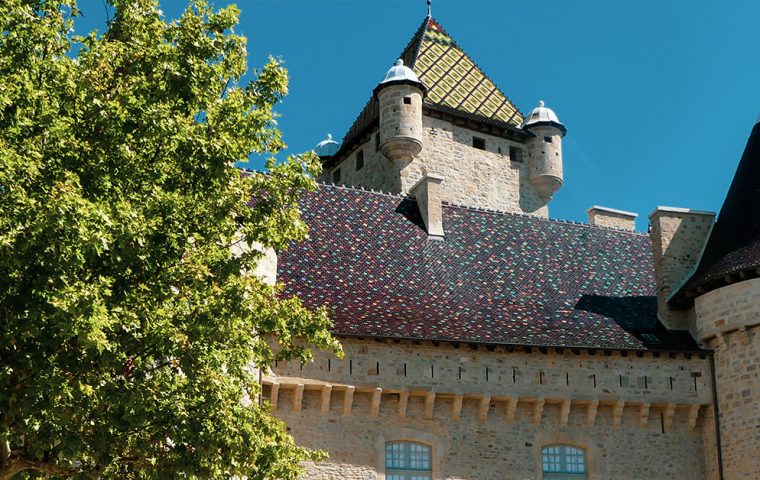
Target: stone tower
<point x="400" y="102"/>
<point x="544" y="150"/>
<point x="721" y="298"/>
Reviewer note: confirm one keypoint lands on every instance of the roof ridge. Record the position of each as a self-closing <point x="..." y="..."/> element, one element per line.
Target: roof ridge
<point x="363" y="189"/>
<point x="545" y="219"/>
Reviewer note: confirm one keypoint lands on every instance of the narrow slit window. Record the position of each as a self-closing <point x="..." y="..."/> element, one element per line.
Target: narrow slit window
<point x="479" y="143"/>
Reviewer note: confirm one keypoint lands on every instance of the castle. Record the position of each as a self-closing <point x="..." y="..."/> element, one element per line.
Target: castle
<point x="484" y="340"/>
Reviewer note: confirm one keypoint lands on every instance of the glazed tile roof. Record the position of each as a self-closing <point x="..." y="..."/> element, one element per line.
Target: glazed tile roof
<point x="454" y="82"/>
<point x="496" y="278"/>
<point x="734" y="243"/>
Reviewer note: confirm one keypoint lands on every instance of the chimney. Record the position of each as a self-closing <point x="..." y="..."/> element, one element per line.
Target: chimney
<point x="610" y="217"/>
<point x="678" y="237"/>
<point x="428" y="193"/>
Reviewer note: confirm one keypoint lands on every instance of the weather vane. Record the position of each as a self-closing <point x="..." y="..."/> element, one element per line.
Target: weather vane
<point x="428" y="4"/>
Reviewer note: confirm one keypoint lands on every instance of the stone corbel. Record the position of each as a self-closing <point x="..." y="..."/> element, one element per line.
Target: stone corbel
<point x="617" y="413"/>
<point x="375" y="406"/>
<point x="670" y="411"/>
<point x="564" y="412"/>
<point x="511" y="409"/>
<point x="691" y="423"/>
<point x="593" y="407"/>
<point x="538" y="411"/>
<point x="273" y="394"/>
<point x="326" y="392"/>
<point x="403" y="400"/>
<point x="429" y="404"/>
<point x="348" y="400"/>
<point x="485" y="403"/>
<point x="298" y="398"/>
<point x="456" y="407"/>
<point x="644" y="414"/>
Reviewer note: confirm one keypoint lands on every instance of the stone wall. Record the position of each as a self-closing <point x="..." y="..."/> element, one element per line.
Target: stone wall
<point x="729" y="319"/>
<point x="678" y="237"/>
<point x="479" y="178"/>
<point x="487" y="413"/>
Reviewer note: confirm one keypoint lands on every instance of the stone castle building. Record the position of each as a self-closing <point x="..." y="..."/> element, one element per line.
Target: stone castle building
<point x="484" y="340"/>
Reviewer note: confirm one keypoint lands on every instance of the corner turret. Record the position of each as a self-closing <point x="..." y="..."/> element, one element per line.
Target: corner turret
<point x="544" y="150"/>
<point x="400" y="97"/>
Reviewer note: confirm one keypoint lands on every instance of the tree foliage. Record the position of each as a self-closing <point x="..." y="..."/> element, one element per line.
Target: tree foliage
<point x="128" y="329"/>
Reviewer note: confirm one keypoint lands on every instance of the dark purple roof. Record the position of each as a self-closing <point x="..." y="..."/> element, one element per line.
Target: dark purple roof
<point x="497" y="278"/>
<point x="734" y="244"/>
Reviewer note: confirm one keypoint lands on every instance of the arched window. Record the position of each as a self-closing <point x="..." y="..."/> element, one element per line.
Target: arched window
<point x="408" y="461"/>
<point x="563" y="462"/>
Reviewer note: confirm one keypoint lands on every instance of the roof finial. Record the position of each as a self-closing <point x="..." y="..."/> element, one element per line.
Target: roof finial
<point x="428" y="4"/>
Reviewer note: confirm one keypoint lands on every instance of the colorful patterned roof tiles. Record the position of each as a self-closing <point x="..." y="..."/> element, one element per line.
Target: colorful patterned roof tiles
<point x="496" y="278"/>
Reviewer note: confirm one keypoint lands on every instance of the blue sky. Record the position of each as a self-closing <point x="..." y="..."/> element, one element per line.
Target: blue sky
<point x="658" y="96"/>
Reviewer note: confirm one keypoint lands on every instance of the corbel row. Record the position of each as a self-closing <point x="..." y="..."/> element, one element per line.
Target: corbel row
<point x="538" y="404"/>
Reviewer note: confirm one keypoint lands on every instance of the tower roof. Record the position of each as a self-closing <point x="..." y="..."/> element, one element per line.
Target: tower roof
<point x="455" y="84"/>
<point x="732" y="251"/>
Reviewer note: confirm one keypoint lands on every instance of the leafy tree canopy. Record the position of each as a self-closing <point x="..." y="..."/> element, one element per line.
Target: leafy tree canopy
<point x="128" y="331"/>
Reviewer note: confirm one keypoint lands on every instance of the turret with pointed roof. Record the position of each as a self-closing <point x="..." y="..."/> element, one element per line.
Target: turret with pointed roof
<point x="455" y="123"/>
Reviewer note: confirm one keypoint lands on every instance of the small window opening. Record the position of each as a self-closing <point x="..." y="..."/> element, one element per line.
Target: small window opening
<point x="377" y="142"/>
<point x="336" y="175"/>
<point x="408" y="461"/>
<point x="479" y="143"/>
<point x="515" y="154"/>
<point x="359" y="159"/>
<point x="561" y="462"/>
<point x="407" y="100"/>
<point x="548" y="139"/>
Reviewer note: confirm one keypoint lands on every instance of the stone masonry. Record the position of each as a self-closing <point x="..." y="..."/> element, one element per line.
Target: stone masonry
<point x="488" y="412"/>
<point x="480" y="178"/>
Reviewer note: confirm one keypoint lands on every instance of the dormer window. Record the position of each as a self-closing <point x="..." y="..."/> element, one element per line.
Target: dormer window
<point x="479" y="143"/>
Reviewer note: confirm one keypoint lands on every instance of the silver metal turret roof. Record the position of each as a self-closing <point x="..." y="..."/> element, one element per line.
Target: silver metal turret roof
<point x="542" y="115"/>
<point x="327" y="147"/>
<point x="400" y="72"/>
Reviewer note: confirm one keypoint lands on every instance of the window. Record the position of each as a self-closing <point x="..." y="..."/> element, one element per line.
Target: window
<point x="515" y="154"/>
<point x="548" y="139"/>
<point x="407" y="100"/>
<point x="377" y="142"/>
<point x="479" y="143"/>
<point x="408" y="461"/>
<point x="336" y="175"/>
<point x="563" y="462"/>
<point x="359" y="159"/>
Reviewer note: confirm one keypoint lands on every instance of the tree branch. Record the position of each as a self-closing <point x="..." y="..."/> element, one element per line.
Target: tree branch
<point x="14" y="465"/>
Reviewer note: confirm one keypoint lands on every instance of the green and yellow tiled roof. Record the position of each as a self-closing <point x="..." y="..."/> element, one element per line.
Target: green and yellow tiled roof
<point x="454" y="82"/>
<point x="453" y="79"/>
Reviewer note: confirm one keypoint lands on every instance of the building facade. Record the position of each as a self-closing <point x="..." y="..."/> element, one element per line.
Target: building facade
<point x="484" y="340"/>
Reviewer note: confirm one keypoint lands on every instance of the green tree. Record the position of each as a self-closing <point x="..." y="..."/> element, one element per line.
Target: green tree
<point x="127" y="330"/>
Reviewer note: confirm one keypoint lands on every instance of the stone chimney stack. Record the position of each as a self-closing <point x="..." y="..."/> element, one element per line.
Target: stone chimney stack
<point x="428" y="193"/>
<point x="678" y="237"/>
<point x="610" y="217"/>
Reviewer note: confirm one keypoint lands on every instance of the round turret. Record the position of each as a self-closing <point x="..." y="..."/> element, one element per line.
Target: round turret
<point x="400" y="97"/>
<point x="327" y="147"/>
<point x="544" y="150"/>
